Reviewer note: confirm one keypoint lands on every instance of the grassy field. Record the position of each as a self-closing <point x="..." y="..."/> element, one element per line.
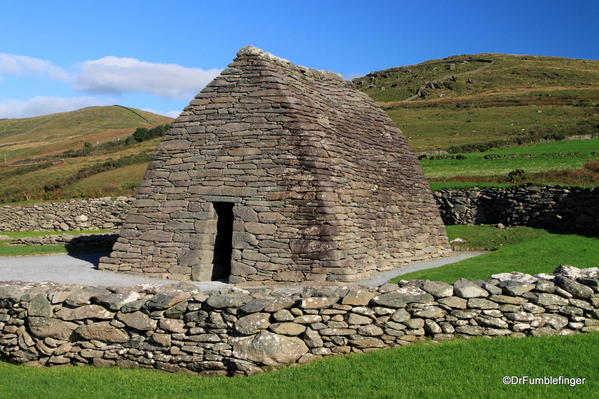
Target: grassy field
<point x="532" y="159"/>
<point x="456" y="369"/>
<point x="55" y="133"/>
<point x="486" y="97"/>
<point x="22" y="250"/>
<point x="521" y="249"/>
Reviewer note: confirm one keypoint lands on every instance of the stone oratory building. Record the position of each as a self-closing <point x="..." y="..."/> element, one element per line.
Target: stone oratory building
<point x="278" y="172"/>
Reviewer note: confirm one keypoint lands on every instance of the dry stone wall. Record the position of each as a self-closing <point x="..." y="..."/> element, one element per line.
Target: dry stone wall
<point x="558" y="207"/>
<point x="550" y="207"/>
<point x="72" y="215"/>
<point x="238" y="332"/>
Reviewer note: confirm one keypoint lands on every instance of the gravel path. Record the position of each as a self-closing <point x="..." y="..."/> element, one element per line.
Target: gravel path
<point x="75" y="270"/>
<point x="82" y="270"/>
<point x="381" y="278"/>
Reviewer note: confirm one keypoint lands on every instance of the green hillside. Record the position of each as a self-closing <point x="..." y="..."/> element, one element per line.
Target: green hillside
<point x="52" y="134"/>
<point x="484" y="98"/>
<point x="91" y="152"/>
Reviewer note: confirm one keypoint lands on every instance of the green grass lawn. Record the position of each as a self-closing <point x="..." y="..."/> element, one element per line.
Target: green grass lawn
<point x="521" y="249"/>
<point x="456" y="369"/>
<point x="476" y="165"/>
<point x="22" y="250"/>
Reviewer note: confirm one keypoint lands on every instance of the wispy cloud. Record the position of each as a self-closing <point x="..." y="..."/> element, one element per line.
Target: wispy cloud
<point x="117" y="75"/>
<point x="11" y="64"/>
<point x="45" y="105"/>
<point x="170" y="114"/>
<point x="102" y="81"/>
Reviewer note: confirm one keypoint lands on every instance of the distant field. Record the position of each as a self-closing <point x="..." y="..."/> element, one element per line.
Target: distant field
<point x="575" y="155"/>
<point x="55" y="133"/>
<point x="486" y="97"/>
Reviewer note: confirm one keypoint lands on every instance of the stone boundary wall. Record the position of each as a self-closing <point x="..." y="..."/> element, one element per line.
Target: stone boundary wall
<point x="552" y="207"/>
<point x="238" y="332"/>
<point x="72" y="215"/>
<point x="561" y="208"/>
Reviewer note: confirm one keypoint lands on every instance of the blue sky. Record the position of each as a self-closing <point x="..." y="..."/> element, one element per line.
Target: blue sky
<point x="63" y="55"/>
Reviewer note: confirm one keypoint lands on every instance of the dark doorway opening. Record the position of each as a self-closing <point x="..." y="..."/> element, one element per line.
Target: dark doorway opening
<point x="223" y="245"/>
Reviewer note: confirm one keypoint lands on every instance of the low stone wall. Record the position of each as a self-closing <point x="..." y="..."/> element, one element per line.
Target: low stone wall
<point x="237" y="332"/>
<point x="551" y="207"/>
<point x="72" y="215"/>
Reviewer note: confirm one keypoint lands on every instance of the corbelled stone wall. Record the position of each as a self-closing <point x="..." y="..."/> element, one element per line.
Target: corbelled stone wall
<point x="84" y="214"/>
<point x="550" y="207"/>
<point x="178" y="328"/>
<point x="323" y="185"/>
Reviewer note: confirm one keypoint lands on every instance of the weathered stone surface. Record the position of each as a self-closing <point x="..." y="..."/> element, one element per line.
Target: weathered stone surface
<point x="231" y="300"/>
<point x="102" y="331"/>
<point x="84" y="312"/>
<point x="40" y="306"/>
<point x="358" y="297"/>
<point x="268" y="348"/>
<point x="172" y="325"/>
<point x="438" y="289"/>
<point x="312" y="338"/>
<point x="402" y="297"/>
<point x="454" y="302"/>
<point x="577" y="290"/>
<point x="137" y="320"/>
<point x="515" y="288"/>
<point x="469" y="330"/>
<point x="164" y="300"/>
<point x="116" y="301"/>
<point x="43" y="327"/>
<point x="354" y="318"/>
<point x="318" y="302"/>
<point x="252" y="323"/>
<point x="288" y="328"/>
<point x="468" y="289"/>
<point x="544" y="299"/>
<point x="430" y="312"/>
<point x="481" y="303"/>
<point x="370" y="330"/>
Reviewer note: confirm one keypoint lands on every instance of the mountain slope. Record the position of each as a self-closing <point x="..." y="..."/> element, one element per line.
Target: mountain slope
<point x="55" y="133"/>
<point x="481" y="98"/>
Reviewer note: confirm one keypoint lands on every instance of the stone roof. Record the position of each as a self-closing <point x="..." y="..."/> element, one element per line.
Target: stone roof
<point x="322" y="185"/>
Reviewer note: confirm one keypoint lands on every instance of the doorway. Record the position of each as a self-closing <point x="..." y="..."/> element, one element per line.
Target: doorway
<point x="223" y="244"/>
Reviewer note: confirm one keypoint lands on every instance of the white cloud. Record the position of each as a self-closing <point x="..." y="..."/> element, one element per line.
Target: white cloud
<point x="11" y="64"/>
<point x="44" y="105"/>
<point x="117" y="75"/>
<point x="170" y="114"/>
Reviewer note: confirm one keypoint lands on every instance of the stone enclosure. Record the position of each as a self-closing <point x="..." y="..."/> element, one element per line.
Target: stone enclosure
<point x="277" y="172"/>
<point x="238" y="332"/>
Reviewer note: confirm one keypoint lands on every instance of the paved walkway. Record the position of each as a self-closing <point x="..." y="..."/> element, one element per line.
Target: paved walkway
<point x="75" y="270"/>
<point x="82" y="270"/>
<point x="381" y="278"/>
